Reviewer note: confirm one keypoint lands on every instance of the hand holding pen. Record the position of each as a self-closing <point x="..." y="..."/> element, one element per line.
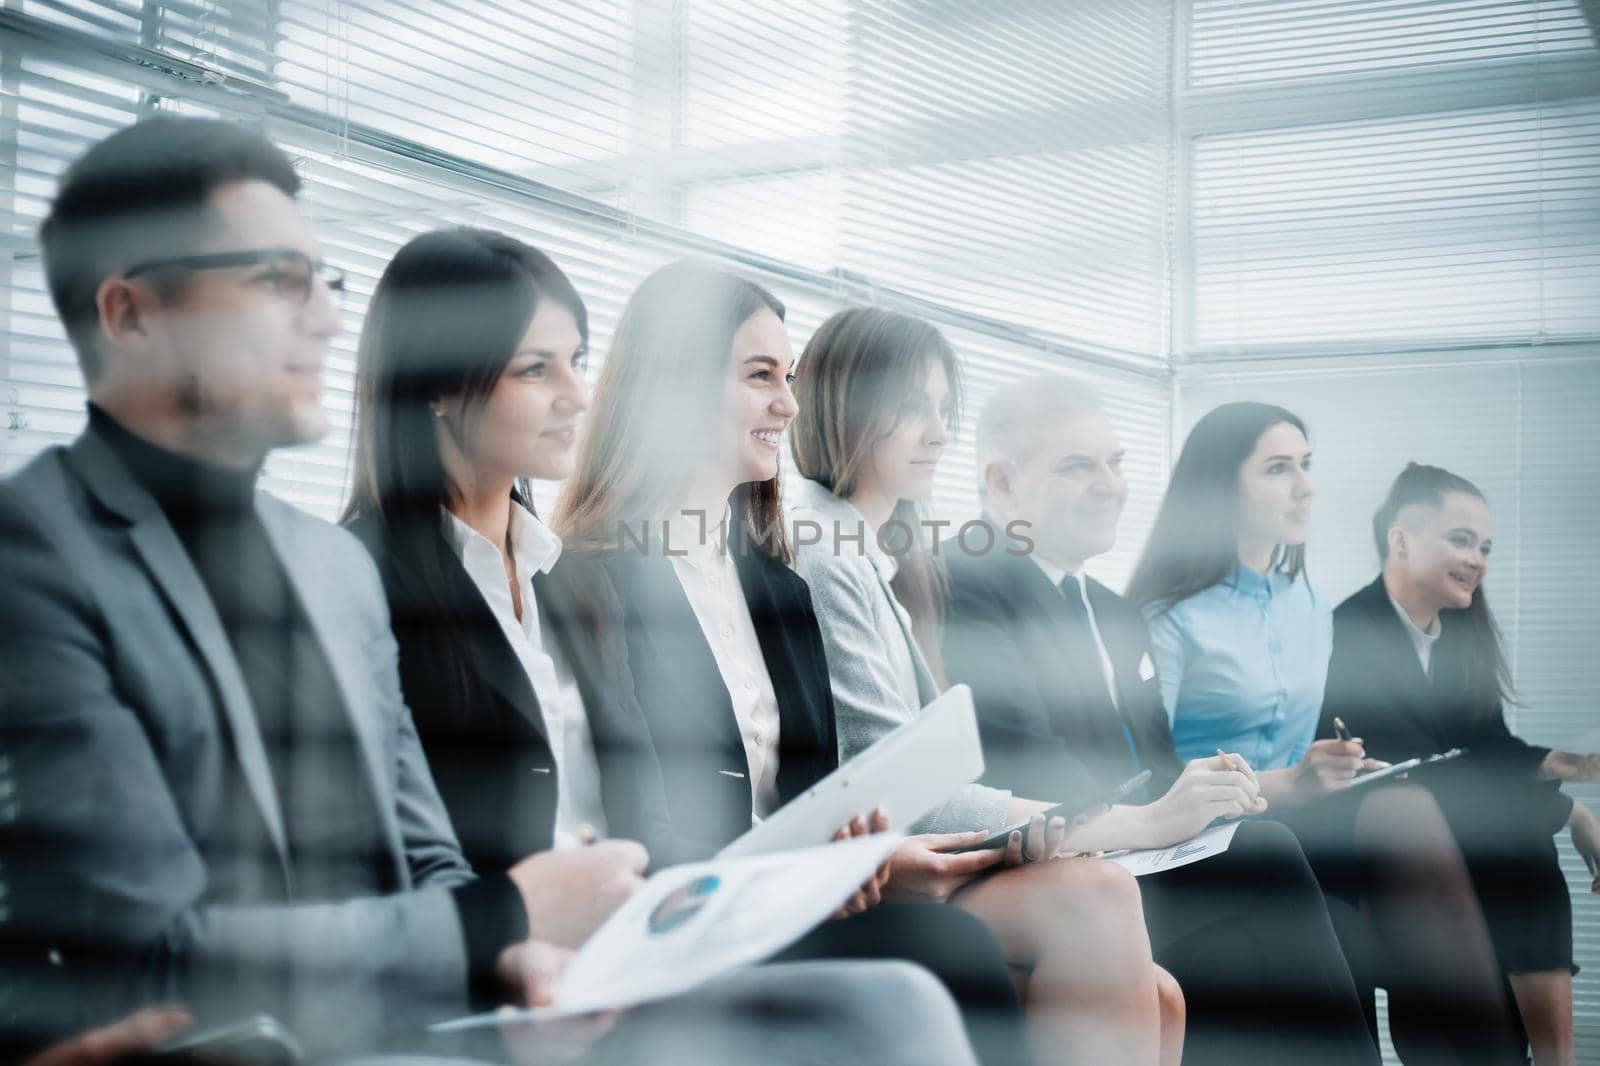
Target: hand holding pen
<point x="1330" y="765"/>
<point x="1238" y="764"/>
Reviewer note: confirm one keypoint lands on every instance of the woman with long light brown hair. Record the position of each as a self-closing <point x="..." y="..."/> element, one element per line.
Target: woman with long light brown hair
<point x="676" y="492"/>
<point x="879" y="395"/>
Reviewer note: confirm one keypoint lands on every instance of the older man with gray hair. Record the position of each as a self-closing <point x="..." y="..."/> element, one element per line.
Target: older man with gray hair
<point x="1069" y="706"/>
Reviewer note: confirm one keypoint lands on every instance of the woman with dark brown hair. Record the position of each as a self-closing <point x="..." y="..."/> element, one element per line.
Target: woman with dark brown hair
<point x="879" y="396"/>
<point x="1418" y="667"/>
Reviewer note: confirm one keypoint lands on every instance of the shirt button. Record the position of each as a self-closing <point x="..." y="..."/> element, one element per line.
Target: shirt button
<point x="758" y="738"/>
<point x="727" y="631"/>
<point x="749" y="684"/>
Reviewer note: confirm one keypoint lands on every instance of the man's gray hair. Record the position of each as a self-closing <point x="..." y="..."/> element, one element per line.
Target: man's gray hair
<point x="1018" y="415"/>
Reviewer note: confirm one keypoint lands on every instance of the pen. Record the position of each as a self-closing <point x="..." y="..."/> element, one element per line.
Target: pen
<point x="1339" y="729"/>
<point x="1229" y="762"/>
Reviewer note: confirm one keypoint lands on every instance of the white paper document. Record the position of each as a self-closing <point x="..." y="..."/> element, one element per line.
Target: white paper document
<point x="908" y="773"/>
<point x="691" y="923"/>
<point x="1209" y="842"/>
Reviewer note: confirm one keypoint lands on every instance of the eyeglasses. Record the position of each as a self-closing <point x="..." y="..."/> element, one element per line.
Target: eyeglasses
<point x="291" y="272"/>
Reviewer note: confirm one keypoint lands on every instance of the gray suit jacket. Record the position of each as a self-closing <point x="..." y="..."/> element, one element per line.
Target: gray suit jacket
<point x="861" y="622"/>
<point x="124" y="720"/>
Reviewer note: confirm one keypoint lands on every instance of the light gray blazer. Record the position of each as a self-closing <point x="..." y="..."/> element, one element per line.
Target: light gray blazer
<point x="123" y="720"/>
<point x="866" y="634"/>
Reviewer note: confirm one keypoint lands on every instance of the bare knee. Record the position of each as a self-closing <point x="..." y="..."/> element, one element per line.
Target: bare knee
<point x="1101" y="887"/>
<point x="1170" y="998"/>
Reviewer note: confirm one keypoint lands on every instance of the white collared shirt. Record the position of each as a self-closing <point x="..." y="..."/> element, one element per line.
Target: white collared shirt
<point x="535" y="549"/>
<point x="710" y="581"/>
<point x="1422" y="640"/>
<point x="1055" y="574"/>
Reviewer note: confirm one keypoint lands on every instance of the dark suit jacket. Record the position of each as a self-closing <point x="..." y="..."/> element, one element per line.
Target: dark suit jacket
<point x="1376" y="684"/>
<point x="125" y="726"/>
<point x="686" y="704"/>
<point x="487" y="744"/>
<point x="1049" y="731"/>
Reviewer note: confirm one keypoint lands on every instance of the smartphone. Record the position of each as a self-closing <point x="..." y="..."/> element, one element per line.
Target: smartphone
<point x="257" y="1041"/>
<point x="1068" y="811"/>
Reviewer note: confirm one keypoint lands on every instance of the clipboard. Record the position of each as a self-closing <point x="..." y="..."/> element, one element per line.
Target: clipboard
<point x="908" y="773"/>
<point x="1406" y="767"/>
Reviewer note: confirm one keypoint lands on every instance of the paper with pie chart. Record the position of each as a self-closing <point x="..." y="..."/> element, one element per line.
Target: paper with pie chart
<point x="691" y="923"/>
<point x="1209" y="842"/>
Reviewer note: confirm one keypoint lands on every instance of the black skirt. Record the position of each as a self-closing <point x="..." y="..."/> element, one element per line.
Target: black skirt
<point x="1510" y="857"/>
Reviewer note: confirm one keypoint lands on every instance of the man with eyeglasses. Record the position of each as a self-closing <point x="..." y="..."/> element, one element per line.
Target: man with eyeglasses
<point x="211" y="793"/>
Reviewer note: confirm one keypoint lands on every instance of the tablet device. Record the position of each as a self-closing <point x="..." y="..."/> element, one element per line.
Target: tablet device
<point x="1068" y="811"/>
<point x="908" y="773"/>
<point x="1406" y="767"/>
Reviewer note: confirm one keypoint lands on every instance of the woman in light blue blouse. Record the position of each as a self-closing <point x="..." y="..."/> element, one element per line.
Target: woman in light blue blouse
<point x="1242" y="641"/>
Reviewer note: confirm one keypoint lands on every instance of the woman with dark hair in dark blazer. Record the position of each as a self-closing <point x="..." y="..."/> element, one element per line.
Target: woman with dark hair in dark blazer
<point x="676" y="490"/>
<point x="1417" y="668"/>
<point x="512" y="682"/>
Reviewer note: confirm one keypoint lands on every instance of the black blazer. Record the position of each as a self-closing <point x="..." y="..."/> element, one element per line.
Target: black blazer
<point x="488" y="750"/>
<point x="1376" y="684"/>
<point x="1049" y="729"/>
<point x="686" y="704"/>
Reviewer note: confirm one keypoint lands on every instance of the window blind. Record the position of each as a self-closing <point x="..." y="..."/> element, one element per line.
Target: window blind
<point x="428" y="152"/>
<point x="1373" y="173"/>
<point x="1234" y="42"/>
<point x="1476" y="226"/>
<point x="1013" y="158"/>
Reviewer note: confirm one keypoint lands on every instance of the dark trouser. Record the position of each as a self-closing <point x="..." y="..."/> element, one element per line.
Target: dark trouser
<point x="959" y="950"/>
<point x="1247" y="936"/>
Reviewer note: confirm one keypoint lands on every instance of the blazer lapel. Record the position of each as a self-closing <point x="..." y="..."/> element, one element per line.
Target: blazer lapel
<point x="1073" y="689"/>
<point x="1389" y="633"/>
<point x="660" y="610"/>
<point x="564" y="622"/>
<point x="352" y="676"/>
<point x="1119" y="644"/>
<point x="808" y="743"/>
<point x="163" y="556"/>
<point x="927" y="687"/>
<point x="502" y="670"/>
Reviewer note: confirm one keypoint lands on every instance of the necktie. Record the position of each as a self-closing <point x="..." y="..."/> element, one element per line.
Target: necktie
<point x="1084" y="652"/>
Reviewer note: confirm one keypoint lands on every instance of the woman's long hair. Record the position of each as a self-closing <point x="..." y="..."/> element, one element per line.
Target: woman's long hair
<point x="862" y="374"/>
<point x="1475" y="658"/>
<point x="1195" y="541"/>
<point x="655" y="419"/>
<point x="444" y="322"/>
